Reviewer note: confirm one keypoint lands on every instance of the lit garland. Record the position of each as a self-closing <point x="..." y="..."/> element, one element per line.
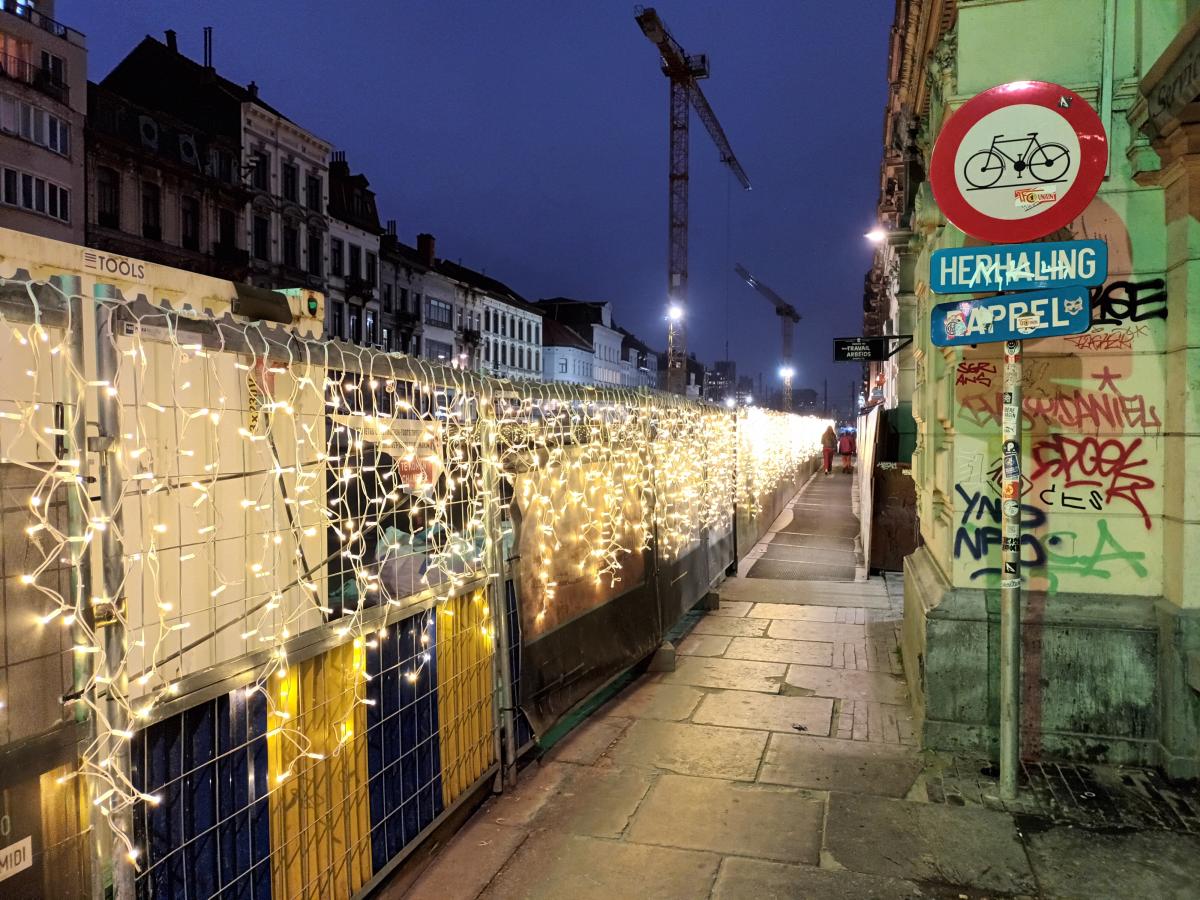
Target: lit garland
<point x="297" y="485"/>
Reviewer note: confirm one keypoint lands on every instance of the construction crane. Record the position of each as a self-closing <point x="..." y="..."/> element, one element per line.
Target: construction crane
<point x="788" y="317"/>
<point x="683" y="70"/>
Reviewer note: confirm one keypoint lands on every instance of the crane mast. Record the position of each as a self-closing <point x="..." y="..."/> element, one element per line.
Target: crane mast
<point x="788" y="317"/>
<point x="683" y="70"/>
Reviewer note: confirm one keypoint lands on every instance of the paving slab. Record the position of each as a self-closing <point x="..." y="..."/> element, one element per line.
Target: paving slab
<point x="596" y="802"/>
<point x="733" y="674"/>
<point x="922" y="842"/>
<point x="732" y="608"/>
<point x="587" y="743"/>
<point x="797" y="611"/>
<point x="728" y="817"/>
<point x="828" y="764"/>
<point x="536" y="784"/>
<point x="815" y="631"/>
<point x="1075" y="862"/>
<point x="736" y="627"/>
<point x="766" y="712"/>
<point x="647" y="700"/>
<point x="850" y="684"/>
<point x="558" y="866"/>
<point x="687" y="749"/>
<point x="757" y="879"/>
<point x="811" y="653"/>
<point x="870" y="593"/>
<point x="466" y="866"/>
<point x="703" y="645"/>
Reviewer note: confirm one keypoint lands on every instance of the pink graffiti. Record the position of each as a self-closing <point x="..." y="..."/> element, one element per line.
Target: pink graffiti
<point x="1107" y="464"/>
<point x="1114" y="339"/>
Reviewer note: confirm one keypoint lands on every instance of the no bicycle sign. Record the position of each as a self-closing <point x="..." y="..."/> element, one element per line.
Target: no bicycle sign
<point x="1018" y="161"/>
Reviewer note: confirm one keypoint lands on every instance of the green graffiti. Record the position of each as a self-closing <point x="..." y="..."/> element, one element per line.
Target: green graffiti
<point x="1107" y="551"/>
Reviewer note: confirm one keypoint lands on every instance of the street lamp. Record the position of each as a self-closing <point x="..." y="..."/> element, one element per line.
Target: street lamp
<point x="730" y="402"/>
<point x="876" y="235"/>
<point x="786" y="373"/>
<point x="674" y="312"/>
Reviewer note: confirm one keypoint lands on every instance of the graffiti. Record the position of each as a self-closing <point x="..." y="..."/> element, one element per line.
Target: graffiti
<point x="1108" y="464"/>
<point x="1070" y="409"/>
<point x="1113" y="339"/>
<point x="1050" y="496"/>
<point x="1121" y="302"/>
<point x="1058" y="554"/>
<point x="980" y="372"/>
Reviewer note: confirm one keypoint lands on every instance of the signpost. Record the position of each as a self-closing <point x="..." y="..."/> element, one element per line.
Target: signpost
<point x="1016" y="163"/>
<point x="872" y="348"/>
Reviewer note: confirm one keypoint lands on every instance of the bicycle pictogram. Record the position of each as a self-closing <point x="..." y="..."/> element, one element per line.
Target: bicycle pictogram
<point x="1045" y="163"/>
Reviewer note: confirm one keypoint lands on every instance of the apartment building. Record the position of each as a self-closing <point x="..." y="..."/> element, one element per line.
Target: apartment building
<point x="353" y="307"/>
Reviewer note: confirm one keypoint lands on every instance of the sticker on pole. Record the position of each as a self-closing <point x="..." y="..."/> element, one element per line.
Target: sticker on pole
<point x="1018" y="161"/>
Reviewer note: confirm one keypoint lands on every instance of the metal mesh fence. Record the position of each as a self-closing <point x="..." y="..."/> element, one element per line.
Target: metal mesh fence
<point x="264" y="579"/>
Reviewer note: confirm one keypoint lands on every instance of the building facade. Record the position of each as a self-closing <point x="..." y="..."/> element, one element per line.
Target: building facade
<point x="592" y="321"/>
<point x="43" y="102"/>
<point x="566" y="355"/>
<point x="353" y="307"/>
<point x="502" y="332"/>
<point x="1110" y="627"/>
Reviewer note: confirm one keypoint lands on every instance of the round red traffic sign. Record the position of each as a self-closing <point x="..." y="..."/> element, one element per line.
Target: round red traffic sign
<point x="1018" y="161"/>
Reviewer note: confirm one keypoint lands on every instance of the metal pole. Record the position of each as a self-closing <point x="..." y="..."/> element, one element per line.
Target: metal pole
<point x="1010" y="577"/>
<point x="498" y="566"/>
<point x="110" y="611"/>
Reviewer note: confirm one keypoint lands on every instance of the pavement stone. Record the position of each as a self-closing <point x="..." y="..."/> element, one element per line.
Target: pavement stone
<point x="872" y="593"/>
<point x="732" y="609"/>
<point x="921" y="842"/>
<point x="728" y="817"/>
<point x="794" y="611"/>
<point x="703" y="645"/>
<point x="757" y="879"/>
<point x="519" y="805"/>
<point x="766" y="712"/>
<point x="467" y="864"/>
<point x="1075" y="862"/>
<point x="649" y="700"/>
<point x="587" y="743"/>
<point x="812" y="653"/>
<point x="558" y="866"/>
<point x="815" y="631"/>
<point x="850" y="684"/>
<point x="733" y="674"/>
<point x="690" y="749"/>
<point x="728" y="626"/>
<point x="829" y="764"/>
<point x="595" y="802"/>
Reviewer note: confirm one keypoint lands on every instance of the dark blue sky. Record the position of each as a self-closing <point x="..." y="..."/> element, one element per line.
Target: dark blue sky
<point x="531" y="139"/>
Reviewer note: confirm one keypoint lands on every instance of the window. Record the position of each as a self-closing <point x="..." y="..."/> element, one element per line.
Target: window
<point x="439" y="313"/>
<point x="55" y="68"/>
<point x="108" y="198"/>
<point x="258" y="174"/>
<point x="291" y="182"/>
<point x="58" y="135"/>
<point x="521" y="329"/>
<point x="314" y="253"/>
<point x="227" y="228"/>
<point x="336" y="319"/>
<point x="35" y="194"/>
<point x="355" y="261"/>
<point x="503" y="325"/>
<point x="291" y="246"/>
<point x="387" y="297"/>
<point x="562" y="366"/>
<point x="504" y="354"/>
<point x="537" y="360"/>
<point x="337" y="257"/>
<point x="262" y="237"/>
<point x="385" y="338"/>
<point x="487" y="351"/>
<point x="356" y="324"/>
<point x="520" y="357"/>
<point x="151" y="211"/>
<point x="312" y="192"/>
<point x="371" y="328"/>
<point x="224" y="165"/>
<point x="189" y="223"/>
<point x="438" y="350"/>
<point x="372" y="268"/>
<point x="537" y="333"/>
<point x="403" y="300"/>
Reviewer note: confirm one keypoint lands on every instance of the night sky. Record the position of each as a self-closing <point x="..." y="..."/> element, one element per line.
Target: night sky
<point x="531" y="139"/>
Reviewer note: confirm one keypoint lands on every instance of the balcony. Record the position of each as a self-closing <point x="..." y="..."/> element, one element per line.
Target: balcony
<point x="469" y="336"/>
<point x="230" y="255"/>
<point x="50" y="26"/>
<point x="357" y="286"/>
<point x="24" y="71"/>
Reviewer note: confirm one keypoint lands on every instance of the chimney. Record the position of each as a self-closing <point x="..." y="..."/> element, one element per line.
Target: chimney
<point x="425" y="248"/>
<point x="391" y="227"/>
<point x="172" y="44"/>
<point x="338" y="167"/>
<point x="252" y="87"/>
<point x="208" y="50"/>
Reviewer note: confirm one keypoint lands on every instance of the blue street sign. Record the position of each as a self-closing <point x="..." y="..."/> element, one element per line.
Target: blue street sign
<point x="1018" y="267"/>
<point x="1011" y="317"/>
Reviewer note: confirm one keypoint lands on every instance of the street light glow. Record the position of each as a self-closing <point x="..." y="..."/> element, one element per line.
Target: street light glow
<point x="674" y="312"/>
<point x="730" y="402"/>
<point x="786" y="372"/>
<point x="876" y="235"/>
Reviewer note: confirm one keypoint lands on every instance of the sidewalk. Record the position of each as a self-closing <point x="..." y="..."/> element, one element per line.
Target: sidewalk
<point x="778" y="760"/>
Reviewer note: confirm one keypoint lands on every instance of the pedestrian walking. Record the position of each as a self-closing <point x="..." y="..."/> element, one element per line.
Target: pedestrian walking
<point x="828" y="445"/>
<point x="847" y="449"/>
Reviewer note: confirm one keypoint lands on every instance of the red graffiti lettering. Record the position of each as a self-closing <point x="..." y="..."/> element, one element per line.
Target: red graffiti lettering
<point x="1114" y="339"/>
<point x="1075" y="409"/>
<point x="1107" y="464"/>
<point x="976" y="372"/>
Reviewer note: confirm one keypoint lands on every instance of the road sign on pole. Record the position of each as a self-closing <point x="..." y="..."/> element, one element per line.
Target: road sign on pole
<point x="1018" y="267"/>
<point x="1011" y="317"/>
<point x="1015" y="163"/>
<point x="1018" y="161"/>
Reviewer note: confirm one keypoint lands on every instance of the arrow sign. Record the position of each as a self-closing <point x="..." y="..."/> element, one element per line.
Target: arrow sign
<point x="1011" y="317"/>
<point x="1018" y="267"/>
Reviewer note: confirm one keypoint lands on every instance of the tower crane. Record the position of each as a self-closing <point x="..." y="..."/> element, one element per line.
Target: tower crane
<point x="683" y="70"/>
<point x="788" y="317"/>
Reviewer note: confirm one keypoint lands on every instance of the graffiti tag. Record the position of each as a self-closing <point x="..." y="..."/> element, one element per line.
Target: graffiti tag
<point x="1112" y="339"/>
<point x="1111" y="465"/>
<point x="976" y="372"/>
<point x="1120" y="302"/>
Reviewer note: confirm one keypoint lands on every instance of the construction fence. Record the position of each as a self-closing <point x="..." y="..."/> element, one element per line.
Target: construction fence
<point x="275" y="606"/>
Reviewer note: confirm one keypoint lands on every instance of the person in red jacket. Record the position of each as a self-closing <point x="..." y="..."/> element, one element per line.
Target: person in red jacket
<point x="847" y="448"/>
<point x="828" y="445"/>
